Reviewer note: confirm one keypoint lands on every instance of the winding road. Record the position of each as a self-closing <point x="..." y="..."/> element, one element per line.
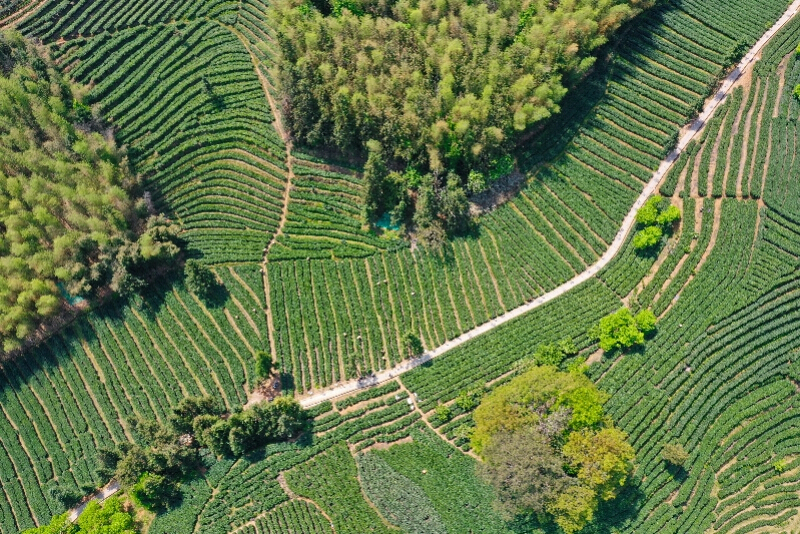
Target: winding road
<point x="616" y="246"/>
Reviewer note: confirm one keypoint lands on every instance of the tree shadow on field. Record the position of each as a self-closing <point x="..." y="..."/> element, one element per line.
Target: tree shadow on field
<point x="287" y="381"/>
<point x="611" y="516"/>
<point x="678" y="472"/>
<point x="445" y="255"/>
<point x="614" y="516"/>
<point x="217" y="296"/>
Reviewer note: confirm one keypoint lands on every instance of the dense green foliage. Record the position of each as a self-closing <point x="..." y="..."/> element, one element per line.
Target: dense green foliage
<point x="554" y="353"/>
<point x="654" y="219"/>
<point x="514" y="405"/>
<point x="67" y="224"/>
<point x="675" y="454"/>
<point x="446" y="82"/>
<point x="264" y="364"/>
<point x="258" y="425"/>
<point x="152" y="468"/>
<point x="111" y="517"/>
<point x="621" y="329"/>
<point x="547" y="446"/>
<point x="441" y="86"/>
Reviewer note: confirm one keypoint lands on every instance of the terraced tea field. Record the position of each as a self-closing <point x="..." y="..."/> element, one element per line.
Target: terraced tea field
<point x="189" y="87"/>
<point x="341" y="298"/>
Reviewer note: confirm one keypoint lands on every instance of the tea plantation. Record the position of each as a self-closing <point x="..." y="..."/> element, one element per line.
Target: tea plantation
<point x="189" y="87"/>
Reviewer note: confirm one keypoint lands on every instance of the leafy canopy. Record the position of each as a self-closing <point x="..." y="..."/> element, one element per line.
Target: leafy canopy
<point x="675" y="454"/>
<point x="262" y="423"/>
<point x="518" y="403"/>
<point x="554" y="353"/>
<point x="107" y="518"/>
<point x="439" y="85"/>
<point x="654" y="218"/>
<point x="548" y="447"/>
<point x="647" y="238"/>
<point x="621" y="330"/>
<point x="526" y="470"/>
<point x="153" y="467"/>
<point x="264" y="364"/>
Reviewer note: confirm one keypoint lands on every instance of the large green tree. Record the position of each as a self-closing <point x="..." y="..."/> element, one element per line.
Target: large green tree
<point x="111" y="517"/>
<point x="526" y="470"/>
<point x="527" y="399"/>
<point x="621" y="329"/>
<point x="547" y="446"/>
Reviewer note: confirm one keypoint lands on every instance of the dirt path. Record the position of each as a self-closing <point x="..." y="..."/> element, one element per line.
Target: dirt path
<point x="712" y="242"/>
<point x="100" y="495"/>
<point x="265" y="85"/>
<point x="616" y="246"/>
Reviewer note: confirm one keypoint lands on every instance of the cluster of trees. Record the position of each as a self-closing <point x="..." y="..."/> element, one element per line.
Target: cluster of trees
<point x="655" y="218"/>
<point x="433" y="86"/>
<point x="436" y="203"/>
<point x="622" y="330"/>
<point x="548" y="449"/>
<point x="111" y="517"/>
<point x="152" y="468"/>
<point x="67" y="223"/>
<point x="244" y="430"/>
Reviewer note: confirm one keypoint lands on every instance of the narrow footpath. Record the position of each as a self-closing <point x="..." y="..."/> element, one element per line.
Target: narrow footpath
<point x="616" y="246"/>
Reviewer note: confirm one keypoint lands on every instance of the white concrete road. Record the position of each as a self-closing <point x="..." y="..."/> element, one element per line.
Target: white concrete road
<point x="712" y="104"/>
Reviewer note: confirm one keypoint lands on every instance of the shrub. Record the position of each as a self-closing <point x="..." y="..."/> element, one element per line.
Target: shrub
<point x="675" y="454"/>
<point x="646" y="321"/>
<point x="669" y="216"/>
<point x="413" y="344"/>
<point x="647" y="238"/>
<point x="263" y="364"/>
<point x="554" y="353"/>
<point x="654" y="219"/>
<point x="443" y="413"/>
<point x="647" y="214"/>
